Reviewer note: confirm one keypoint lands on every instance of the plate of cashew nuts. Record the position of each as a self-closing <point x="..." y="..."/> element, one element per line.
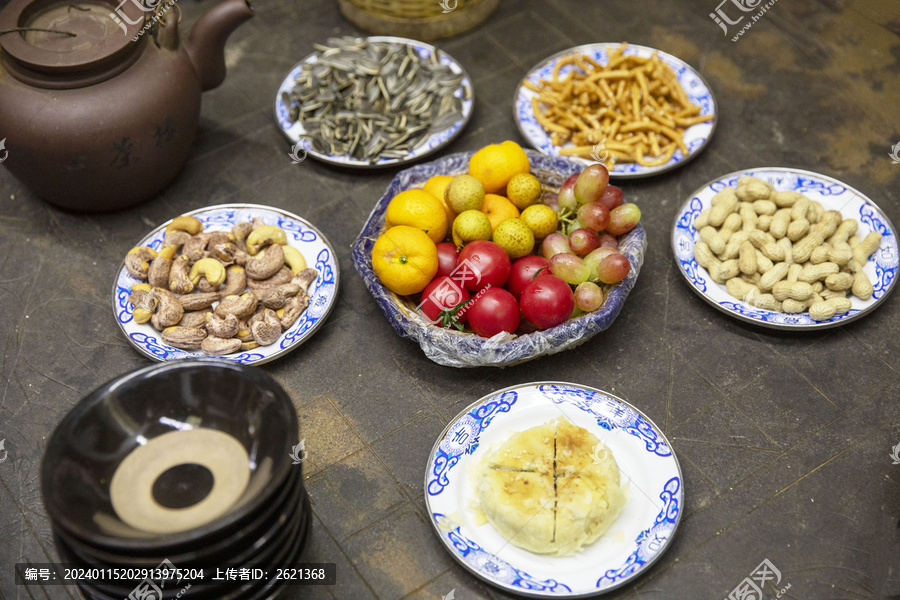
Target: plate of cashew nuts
<point x="786" y="248"/>
<point x="244" y="282"/>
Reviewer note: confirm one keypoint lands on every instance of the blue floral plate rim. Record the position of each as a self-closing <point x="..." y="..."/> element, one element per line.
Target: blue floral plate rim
<point x="881" y="268"/>
<point x="323" y="295"/>
<point x="534" y="134"/>
<point x="435" y="142"/>
<point x="624" y="417"/>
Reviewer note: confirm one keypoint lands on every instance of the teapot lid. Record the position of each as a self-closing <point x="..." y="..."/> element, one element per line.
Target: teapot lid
<point x="59" y="43"/>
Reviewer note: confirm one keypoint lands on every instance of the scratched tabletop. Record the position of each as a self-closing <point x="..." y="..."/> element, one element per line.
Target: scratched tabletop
<point x="784" y="438"/>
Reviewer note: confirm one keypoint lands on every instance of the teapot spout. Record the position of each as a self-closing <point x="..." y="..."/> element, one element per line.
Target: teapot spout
<point x="206" y="40"/>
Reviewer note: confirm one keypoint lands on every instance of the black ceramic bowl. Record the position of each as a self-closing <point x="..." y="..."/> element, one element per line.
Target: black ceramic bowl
<point x="277" y="547"/>
<point x="91" y="442"/>
<point x="236" y="548"/>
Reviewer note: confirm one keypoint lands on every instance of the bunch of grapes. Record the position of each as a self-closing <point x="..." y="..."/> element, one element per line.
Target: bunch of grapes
<point x="585" y="249"/>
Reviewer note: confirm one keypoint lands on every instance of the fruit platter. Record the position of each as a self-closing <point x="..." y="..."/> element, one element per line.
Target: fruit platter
<point x="483" y="279"/>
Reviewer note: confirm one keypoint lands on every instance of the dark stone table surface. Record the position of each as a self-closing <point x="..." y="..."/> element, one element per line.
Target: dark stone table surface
<point x="784" y="438"/>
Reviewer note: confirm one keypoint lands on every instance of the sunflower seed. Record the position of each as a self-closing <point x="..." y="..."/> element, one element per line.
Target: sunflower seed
<point x="374" y="100"/>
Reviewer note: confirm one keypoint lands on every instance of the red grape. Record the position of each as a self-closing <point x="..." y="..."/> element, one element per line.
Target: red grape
<point x="583" y="241"/>
<point x="608" y="240"/>
<point x="623" y="219"/>
<point x="573" y="225"/>
<point x="612" y="269"/>
<point x="554" y="244"/>
<point x="594" y="215"/>
<point x="591" y="183"/>
<point x="552" y="200"/>
<point x="566" y="196"/>
<point x="612" y="197"/>
<point x="569" y="268"/>
<point x="593" y="259"/>
<point x="588" y="296"/>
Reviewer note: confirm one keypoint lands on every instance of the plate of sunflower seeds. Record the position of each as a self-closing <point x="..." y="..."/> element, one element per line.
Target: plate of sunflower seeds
<point x="373" y="102"/>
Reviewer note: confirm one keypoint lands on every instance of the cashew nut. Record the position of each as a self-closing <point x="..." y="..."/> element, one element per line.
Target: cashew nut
<point x="251" y="345"/>
<point x="138" y="291"/>
<point x="186" y="338"/>
<point x="137" y="261"/>
<point x="294" y="259"/>
<point x="216" y="346"/>
<point x="305" y="278"/>
<point x="235" y="281"/>
<point x="209" y="268"/>
<point x="176" y="238"/>
<point x="195" y="318"/>
<point x="195" y="248"/>
<point x="169" y="311"/>
<point x="240" y="306"/>
<point x="144" y="303"/>
<point x="293" y="308"/>
<point x="219" y="237"/>
<point x="158" y="275"/>
<point x="243" y="332"/>
<point x="267" y="329"/>
<point x="227" y="252"/>
<point x="266" y="235"/>
<point x="240" y="231"/>
<point x="179" y="282"/>
<point x="276" y="297"/>
<point x="193" y="302"/>
<point x="280" y="278"/>
<point x="206" y="287"/>
<point x="222" y="327"/>
<point x="267" y="263"/>
<point x="185" y="223"/>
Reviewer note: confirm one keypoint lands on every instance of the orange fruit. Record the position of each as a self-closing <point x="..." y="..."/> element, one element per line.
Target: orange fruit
<point x="498" y="209"/>
<point x="419" y="209"/>
<point x="435" y="186"/>
<point x="405" y="259"/>
<point x="496" y="164"/>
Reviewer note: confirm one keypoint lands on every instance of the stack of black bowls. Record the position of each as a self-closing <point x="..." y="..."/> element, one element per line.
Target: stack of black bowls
<point x="102" y="468"/>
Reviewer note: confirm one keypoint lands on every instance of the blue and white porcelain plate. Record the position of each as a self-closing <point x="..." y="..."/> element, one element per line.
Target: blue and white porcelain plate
<point x="696" y="137"/>
<point x="834" y="195"/>
<point x="314" y="247"/>
<point x="643" y="531"/>
<point x="465" y="92"/>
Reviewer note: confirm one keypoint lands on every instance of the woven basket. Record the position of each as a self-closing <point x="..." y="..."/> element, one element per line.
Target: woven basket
<point x="417" y="19"/>
<point x="457" y="349"/>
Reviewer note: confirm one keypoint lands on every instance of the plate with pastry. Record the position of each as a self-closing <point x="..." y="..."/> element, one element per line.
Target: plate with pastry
<point x="554" y="489"/>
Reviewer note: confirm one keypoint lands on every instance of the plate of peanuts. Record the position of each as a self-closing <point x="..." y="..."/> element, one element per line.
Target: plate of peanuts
<point x="244" y="282"/>
<point x="786" y="248"/>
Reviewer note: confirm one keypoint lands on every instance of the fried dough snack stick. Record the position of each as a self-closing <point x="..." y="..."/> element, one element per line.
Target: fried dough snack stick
<point x="633" y="104"/>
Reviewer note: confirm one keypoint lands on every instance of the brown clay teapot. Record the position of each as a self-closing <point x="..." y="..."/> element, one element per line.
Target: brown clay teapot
<point x="99" y="100"/>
